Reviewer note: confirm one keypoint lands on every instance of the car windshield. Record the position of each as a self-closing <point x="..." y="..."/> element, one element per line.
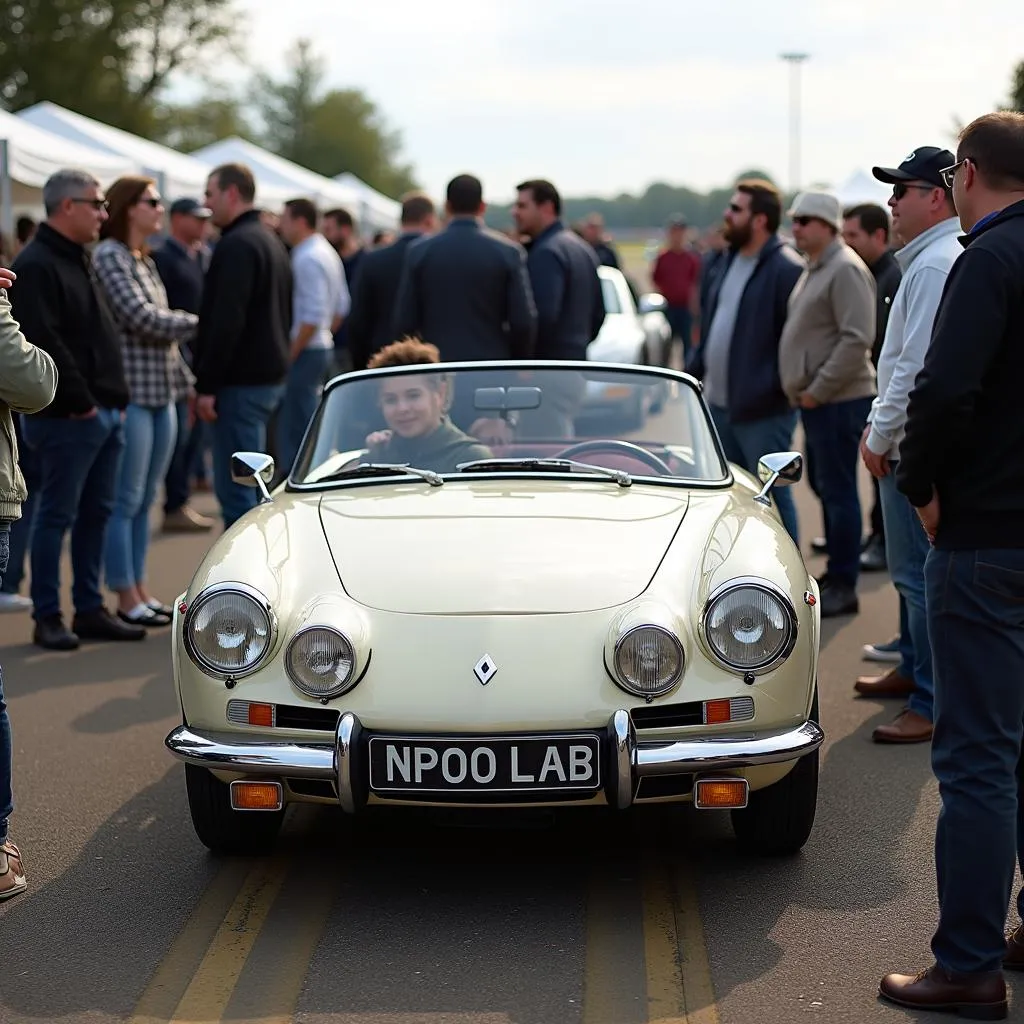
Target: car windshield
<point x="453" y="420"/>
<point x="611" y="296"/>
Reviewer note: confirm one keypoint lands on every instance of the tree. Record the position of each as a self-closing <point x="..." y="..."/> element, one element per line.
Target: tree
<point x="107" y="59"/>
<point x="188" y="127"/>
<point x="329" y="132"/>
<point x="1017" y="88"/>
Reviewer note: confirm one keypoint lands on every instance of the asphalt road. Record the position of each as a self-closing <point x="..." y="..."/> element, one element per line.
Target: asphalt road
<point x="599" y="919"/>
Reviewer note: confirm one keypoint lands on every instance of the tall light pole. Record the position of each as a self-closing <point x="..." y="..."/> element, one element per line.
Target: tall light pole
<point x="795" y="61"/>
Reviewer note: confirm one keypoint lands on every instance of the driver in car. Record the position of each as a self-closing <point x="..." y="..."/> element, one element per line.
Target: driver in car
<point x="416" y="411"/>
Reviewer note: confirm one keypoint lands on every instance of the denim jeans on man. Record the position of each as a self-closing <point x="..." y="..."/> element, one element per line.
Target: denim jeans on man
<point x="976" y="625"/>
<point x="832" y="433"/>
<point x="186" y="459"/>
<point x="6" y="747"/>
<point x="148" y="442"/>
<point x="906" y="549"/>
<point x="241" y="426"/>
<point x="745" y="443"/>
<point x="79" y="461"/>
<point x="301" y="397"/>
<point x="21" y="529"/>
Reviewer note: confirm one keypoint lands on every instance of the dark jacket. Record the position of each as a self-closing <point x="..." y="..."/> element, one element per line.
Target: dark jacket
<point x="245" y="319"/>
<point x="965" y="418"/>
<point x="182" y="275"/>
<point x="606" y="255"/>
<point x="466" y="291"/>
<point x="755" y="391"/>
<point x="374" y="297"/>
<point x="61" y="312"/>
<point x="567" y="290"/>
<point x="441" y="451"/>
<point x="887" y="274"/>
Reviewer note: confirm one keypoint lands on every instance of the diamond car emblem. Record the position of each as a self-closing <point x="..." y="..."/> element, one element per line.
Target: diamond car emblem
<point x="485" y="669"/>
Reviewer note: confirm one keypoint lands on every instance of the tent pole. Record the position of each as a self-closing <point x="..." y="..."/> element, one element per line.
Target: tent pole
<point x="6" y="196"/>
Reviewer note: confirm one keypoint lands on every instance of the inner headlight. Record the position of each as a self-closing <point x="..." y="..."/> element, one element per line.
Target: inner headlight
<point x="321" y="662"/>
<point x="648" y="660"/>
<point x="749" y="627"/>
<point x="230" y="630"/>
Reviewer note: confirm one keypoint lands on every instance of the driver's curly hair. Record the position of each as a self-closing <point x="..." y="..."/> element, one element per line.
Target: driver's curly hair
<point x="407" y="352"/>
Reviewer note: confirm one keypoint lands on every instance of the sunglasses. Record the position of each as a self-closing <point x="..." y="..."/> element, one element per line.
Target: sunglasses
<point x="736" y="208"/>
<point x="949" y="173"/>
<point x="96" y="204"/>
<point x="153" y="201"/>
<point x="803" y="221"/>
<point x="901" y="188"/>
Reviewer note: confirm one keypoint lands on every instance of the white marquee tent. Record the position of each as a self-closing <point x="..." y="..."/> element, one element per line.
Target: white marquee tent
<point x="177" y="175"/>
<point x="29" y="155"/>
<point x="375" y="208"/>
<point x="863" y="187"/>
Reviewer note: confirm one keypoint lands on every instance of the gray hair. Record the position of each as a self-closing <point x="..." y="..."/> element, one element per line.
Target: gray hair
<point x="69" y="183"/>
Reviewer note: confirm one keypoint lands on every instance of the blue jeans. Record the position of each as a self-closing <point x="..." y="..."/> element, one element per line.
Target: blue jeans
<point x="240" y="426"/>
<point x="149" y="440"/>
<point x="905" y="647"/>
<point x="745" y="443"/>
<point x="186" y="459"/>
<point x="79" y="461"/>
<point x="906" y="549"/>
<point x="301" y="397"/>
<point x="976" y="624"/>
<point x="833" y="434"/>
<point x="6" y="747"/>
<point x="21" y="529"/>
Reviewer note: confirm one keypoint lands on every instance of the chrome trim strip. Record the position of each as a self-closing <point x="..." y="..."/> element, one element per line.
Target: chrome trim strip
<point x="344" y="754"/>
<point x="232" y="754"/>
<point x="624" y="757"/>
<point x="711" y="753"/>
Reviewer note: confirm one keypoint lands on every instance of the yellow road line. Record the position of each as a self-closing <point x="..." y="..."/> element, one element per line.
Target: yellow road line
<point x="210" y="990"/>
<point x="698" y="987"/>
<point x="168" y="984"/>
<point x="607" y="998"/>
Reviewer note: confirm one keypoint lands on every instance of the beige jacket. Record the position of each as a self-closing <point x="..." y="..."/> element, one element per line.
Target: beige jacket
<point x="825" y="347"/>
<point x="28" y="382"/>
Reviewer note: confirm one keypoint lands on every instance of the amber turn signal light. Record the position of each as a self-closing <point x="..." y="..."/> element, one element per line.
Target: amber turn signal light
<point x="261" y="714"/>
<point x="256" y="796"/>
<point x="712" y="794"/>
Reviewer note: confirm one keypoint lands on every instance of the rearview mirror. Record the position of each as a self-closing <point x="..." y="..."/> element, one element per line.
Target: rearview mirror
<point x="778" y="469"/>
<point x="506" y="399"/>
<point x="253" y="469"/>
<point x="651" y="302"/>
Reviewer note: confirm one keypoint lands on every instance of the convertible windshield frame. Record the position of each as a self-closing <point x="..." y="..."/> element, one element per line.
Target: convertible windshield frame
<point x="291" y="484"/>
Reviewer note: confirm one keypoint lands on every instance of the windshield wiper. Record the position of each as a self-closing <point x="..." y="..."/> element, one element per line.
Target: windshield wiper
<point x="620" y="476"/>
<point x="385" y="469"/>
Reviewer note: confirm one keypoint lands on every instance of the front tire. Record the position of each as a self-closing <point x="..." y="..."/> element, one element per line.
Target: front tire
<point x="219" y="826"/>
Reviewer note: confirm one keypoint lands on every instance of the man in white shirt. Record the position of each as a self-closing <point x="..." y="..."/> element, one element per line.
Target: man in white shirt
<point x="320" y="302"/>
<point x="925" y="219"/>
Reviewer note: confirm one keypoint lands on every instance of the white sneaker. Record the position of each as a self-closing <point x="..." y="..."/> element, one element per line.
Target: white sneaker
<point x="14" y="603"/>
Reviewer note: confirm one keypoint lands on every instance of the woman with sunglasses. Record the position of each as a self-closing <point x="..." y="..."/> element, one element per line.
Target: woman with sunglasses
<point x="157" y="378"/>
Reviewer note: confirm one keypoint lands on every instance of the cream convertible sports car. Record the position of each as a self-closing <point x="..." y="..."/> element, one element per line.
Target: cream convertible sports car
<point x="456" y="600"/>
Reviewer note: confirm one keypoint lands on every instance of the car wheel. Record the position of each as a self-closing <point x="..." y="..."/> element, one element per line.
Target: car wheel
<point x="778" y="819"/>
<point x="221" y="828"/>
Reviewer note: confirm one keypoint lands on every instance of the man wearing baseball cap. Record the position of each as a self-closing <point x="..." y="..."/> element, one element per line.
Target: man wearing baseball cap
<point x="926" y="222"/>
<point x="826" y="372"/>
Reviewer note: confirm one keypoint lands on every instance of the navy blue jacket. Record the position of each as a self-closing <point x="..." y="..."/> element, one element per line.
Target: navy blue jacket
<point x="755" y="391"/>
<point x="567" y="290"/>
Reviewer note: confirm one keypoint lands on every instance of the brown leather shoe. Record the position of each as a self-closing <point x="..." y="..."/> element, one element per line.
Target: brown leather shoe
<point x="909" y="727"/>
<point x="1014" y="959"/>
<point x="892" y="684"/>
<point x="187" y="520"/>
<point x="981" y="997"/>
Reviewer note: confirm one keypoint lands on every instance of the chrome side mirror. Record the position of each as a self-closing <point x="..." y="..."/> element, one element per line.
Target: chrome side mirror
<point x="778" y="469"/>
<point x="253" y="469"/>
<point x="651" y="302"/>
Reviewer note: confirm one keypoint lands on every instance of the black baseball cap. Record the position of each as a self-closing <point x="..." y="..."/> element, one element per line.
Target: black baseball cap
<point x="192" y="207"/>
<point x="924" y="164"/>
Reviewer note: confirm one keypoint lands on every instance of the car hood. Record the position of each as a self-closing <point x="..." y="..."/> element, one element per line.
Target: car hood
<point x="502" y="547"/>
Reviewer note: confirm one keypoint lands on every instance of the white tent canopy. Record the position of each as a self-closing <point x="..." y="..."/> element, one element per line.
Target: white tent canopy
<point x="862" y="187"/>
<point x="376" y="210"/>
<point x="278" y="180"/>
<point x="29" y="155"/>
<point x="178" y="175"/>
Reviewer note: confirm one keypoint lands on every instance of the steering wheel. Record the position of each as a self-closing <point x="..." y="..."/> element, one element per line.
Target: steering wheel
<point x="633" y="450"/>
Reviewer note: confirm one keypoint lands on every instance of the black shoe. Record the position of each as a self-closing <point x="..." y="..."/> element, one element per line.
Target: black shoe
<point x="52" y="634"/>
<point x="819" y="546"/>
<point x="872" y="558"/>
<point x="101" y="625"/>
<point x="149" y="617"/>
<point x="838" y="599"/>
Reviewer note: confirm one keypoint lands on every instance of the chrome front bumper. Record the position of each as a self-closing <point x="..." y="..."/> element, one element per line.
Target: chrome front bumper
<point x="631" y="760"/>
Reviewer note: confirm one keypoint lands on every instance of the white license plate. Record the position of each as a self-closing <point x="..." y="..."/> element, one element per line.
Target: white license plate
<point x="415" y="764"/>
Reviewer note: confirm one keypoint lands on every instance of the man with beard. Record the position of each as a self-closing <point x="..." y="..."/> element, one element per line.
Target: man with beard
<point x="742" y="317"/>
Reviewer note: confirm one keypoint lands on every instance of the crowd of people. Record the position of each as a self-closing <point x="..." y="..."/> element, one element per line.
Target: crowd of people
<point x="894" y="337"/>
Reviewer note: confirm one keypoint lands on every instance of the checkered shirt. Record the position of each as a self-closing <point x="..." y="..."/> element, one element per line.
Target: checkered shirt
<point x="150" y="333"/>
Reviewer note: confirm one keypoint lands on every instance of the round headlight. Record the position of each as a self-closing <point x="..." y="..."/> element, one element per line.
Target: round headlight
<point x="230" y="630"/>
<point x="648" y="661"/>
<point x="750" y="628"/>
<point x="320" y="662"/>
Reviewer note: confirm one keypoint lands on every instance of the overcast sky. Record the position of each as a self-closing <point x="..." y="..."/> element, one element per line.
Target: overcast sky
<point x="602" y="101"/>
